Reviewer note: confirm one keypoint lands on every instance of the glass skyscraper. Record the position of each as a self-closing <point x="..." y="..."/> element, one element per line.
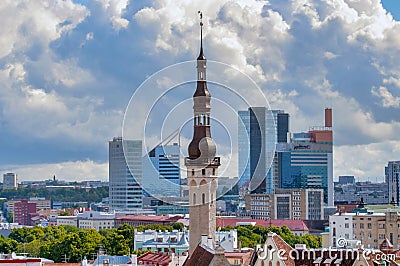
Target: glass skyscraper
<point x="161" y="171"/>
<point x="306" y="164"/>
<point x="257" y="138"/>
<point x="125" y="174"/>
<point x="302" y="160"/>
<point x="306" y="161"/>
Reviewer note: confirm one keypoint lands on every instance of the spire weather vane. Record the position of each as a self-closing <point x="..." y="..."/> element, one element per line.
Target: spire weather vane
<point x="201" y="18"/>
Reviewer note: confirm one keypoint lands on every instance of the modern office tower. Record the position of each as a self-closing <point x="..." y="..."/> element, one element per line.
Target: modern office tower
<point x="258" y="132"/>
<point x="282" y="129"/>
<point x="307" y="161"/>
<point x="125" y="174"/>
<point x="392" y="171"/>
<point x="282" y="125"/>
<point x="10" y="181"/>
<point x="257" y="139"/>
<point x="201" y="164"/>
<point x="161" y="171"/>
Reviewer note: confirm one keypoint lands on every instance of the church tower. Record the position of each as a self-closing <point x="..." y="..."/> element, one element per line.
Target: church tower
<point x="201" y="164"/>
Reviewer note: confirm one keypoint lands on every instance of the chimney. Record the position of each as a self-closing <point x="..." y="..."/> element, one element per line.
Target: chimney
<point x="328" y="117"/>
<point x="204" y="240"/>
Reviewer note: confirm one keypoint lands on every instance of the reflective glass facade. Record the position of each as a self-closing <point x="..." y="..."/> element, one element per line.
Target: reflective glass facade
<point x="257" y="138"/>
<point x="161" y="171"/>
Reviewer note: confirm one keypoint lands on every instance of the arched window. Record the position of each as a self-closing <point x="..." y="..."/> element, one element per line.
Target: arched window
<point x="203" y="198"/>
<point x="278" y="263"/>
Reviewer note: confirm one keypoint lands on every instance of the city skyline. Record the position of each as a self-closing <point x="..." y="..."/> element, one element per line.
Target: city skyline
<point x="67" y="79"/>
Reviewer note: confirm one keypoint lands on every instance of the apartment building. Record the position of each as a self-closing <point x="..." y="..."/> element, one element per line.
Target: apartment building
<point x="41" y="203"/>
<point x="370" y="227"/>
<point x="95" y="220"/>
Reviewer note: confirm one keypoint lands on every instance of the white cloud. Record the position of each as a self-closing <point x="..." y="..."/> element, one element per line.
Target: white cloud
<point x="68" y="171"/>
<point x="28" y="22"/>
<point x="387" y="98"/>
<point x="364" y="161"/>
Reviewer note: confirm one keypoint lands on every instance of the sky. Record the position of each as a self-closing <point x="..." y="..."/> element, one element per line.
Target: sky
<point x="69" y="68"/>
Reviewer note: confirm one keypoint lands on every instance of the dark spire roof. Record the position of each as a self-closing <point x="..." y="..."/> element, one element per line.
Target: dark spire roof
<point x="201" y="55"/>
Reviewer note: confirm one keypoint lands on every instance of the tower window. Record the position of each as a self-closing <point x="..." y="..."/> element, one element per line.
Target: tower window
<point x="203" y="198"/>
<point x="213" y="171"/>
<point x="203" y="171"/>
<point x="194" y="198"/>
<point x="192" y="172"/>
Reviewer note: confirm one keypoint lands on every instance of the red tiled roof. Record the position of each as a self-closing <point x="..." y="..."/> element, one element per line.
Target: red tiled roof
<point x="282" y="245"/>
<point x="154" y="258"/>
<point x="201" y="256"/>
<point x="294" y="225"/>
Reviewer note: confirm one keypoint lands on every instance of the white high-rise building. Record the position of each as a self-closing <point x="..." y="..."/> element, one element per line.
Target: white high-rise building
<point x="125" y="174"/>
<point x="10" y="181"/>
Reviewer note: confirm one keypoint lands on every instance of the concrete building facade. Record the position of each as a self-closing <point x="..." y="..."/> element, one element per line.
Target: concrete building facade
<point x="292" y="204"/>
<point x="392" y="171"/>
<point x="10" y="181"/>
<point x="23" y="211"/>
<point x="125" y="174"/>
<point x="95" y="220"/>
<point x="371" y="228"/>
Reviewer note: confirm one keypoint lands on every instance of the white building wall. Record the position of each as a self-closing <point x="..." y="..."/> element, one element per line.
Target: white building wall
<point x="340" y="226"/>
<point x="67" y="220"/>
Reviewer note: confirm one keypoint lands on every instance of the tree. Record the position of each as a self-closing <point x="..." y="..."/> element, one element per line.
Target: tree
<point x="115" y="244"/>
<point x="31" y="248"/>
<point x="7" y="245"/>
<point x="73" y="246"/>
<point x="177" y="226"/>
<point x="26" y="235"/>
<point x="252" y="235"/>
<point x="128" y="232"/>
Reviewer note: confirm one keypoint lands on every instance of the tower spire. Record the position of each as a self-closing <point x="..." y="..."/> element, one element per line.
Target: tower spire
<point x="201" y="163"/>
<point x="201" y="55"/>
